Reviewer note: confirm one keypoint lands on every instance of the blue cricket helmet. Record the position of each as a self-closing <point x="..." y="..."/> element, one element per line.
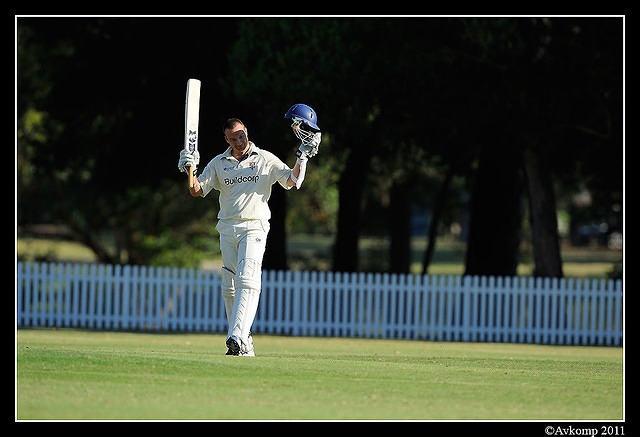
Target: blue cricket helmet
<point x="303" y="113"/>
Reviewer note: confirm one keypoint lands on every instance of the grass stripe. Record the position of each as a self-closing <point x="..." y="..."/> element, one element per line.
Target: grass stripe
<point x="75" y="374"/>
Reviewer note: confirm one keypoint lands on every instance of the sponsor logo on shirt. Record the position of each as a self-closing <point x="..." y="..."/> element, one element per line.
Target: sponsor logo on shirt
<point x="241" y="179"/>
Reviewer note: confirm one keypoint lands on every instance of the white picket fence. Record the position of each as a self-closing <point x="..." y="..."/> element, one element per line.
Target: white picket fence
<point x="436" y="308"/>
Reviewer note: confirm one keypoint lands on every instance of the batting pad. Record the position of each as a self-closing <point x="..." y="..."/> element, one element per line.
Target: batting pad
<point x="244" y="311"/>
<point x="249" y="274"/>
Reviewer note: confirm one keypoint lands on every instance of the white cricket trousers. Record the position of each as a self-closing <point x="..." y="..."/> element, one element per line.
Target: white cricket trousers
<point x="242" y="243"/>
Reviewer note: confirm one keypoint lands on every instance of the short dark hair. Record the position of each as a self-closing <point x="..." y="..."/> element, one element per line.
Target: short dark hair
<point x="230" y="123"/>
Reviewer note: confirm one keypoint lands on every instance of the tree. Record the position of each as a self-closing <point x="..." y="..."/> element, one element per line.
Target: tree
<point x="507" y="107"/>
<point x="553" y="75"/>
<point x="316" y="61"/>
<point x="98" y="103"/>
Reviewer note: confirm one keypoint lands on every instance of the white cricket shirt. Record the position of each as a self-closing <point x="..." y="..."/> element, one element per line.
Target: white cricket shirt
<point x="245" y="185"/>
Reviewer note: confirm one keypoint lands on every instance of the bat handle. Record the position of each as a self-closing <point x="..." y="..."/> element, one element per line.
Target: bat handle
<point x="191" y="183"/>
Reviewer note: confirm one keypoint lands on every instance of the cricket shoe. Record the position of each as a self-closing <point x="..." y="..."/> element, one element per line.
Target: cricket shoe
<point x="235" y="347"/>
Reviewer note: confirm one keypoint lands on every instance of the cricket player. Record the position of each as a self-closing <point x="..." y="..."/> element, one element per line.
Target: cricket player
<point x="244" y="175"/>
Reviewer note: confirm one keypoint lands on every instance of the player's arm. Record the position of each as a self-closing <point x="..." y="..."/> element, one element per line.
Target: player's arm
<point x="196" y="189"/>
<point x="306" y="150"/>
<point x="295" y="173"/>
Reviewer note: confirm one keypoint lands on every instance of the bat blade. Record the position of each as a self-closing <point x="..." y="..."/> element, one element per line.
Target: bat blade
<point x="191" y="119"/>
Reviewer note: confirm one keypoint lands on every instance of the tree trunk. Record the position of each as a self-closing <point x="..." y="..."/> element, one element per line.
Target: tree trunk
<point x="438" y="209"/>
<point x="350" y="187"/>
<point x="275" y="254"/>
<point x="400" y="227"/>
<point x="496" y="215"/>
<point x="543" y="218"/>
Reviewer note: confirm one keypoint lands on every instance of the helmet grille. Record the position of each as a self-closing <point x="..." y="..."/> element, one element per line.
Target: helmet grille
<point x="301" y="130"/>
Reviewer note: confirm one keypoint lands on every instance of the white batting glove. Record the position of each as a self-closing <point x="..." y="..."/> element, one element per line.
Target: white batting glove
<point x="188" y="159"/>
<point x="310" y="148"/>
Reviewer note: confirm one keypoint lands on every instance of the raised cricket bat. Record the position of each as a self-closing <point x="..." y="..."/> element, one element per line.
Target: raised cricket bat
<point x="191" y="119"/>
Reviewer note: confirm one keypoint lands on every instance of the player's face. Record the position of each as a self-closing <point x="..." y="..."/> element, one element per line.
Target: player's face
<point x="236" y="137"/>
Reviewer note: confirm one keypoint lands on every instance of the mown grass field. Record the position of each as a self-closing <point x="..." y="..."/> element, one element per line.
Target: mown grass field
<point x="78" y="375"/>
